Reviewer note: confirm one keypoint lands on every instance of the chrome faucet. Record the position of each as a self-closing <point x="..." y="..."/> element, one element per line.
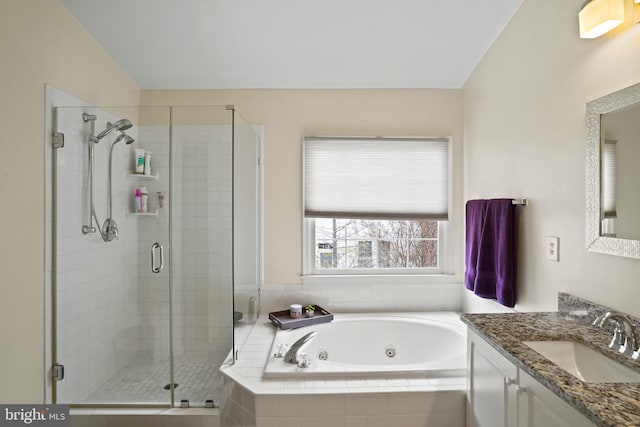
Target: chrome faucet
<point x="292" y="355"/>
<point x="624" y="333"/>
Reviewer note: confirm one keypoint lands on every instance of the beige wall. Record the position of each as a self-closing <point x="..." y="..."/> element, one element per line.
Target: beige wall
<point x="525" y="135"/>
<point x="40" y="43"/>
<point x="289" y="114"/>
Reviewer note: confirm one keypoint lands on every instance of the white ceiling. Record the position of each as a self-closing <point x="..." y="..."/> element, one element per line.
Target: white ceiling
<point x="248" y="44"/>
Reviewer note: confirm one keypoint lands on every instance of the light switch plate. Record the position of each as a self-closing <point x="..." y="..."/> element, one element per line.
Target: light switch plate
<point x="552" y="248"/>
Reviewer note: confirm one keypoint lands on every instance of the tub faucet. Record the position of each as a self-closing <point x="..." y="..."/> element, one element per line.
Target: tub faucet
<point x="624" y="333"/>
<point x="292" y="355"/>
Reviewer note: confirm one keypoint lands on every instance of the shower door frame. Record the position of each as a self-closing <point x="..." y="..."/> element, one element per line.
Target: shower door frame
<point x="55" y="144"/>
<point x="51" y="392"/>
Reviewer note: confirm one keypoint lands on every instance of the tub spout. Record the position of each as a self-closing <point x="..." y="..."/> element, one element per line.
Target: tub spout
<point x="292" y="355"/>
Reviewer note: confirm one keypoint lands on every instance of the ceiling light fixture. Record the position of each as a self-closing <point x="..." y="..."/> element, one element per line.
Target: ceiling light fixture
<point x="598" y="17"/>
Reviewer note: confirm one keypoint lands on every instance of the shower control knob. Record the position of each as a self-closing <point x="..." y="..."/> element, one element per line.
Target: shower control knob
<point x="110" y="230"/>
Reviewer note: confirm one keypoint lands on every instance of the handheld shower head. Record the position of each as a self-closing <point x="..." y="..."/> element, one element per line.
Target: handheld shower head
<point x="123" y="136"/>
<point x="122" y="124"/>
<point x="110" y="228"/>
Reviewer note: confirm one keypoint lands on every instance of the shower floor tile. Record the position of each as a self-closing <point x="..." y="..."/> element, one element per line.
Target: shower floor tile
<point x="144" y="381"/>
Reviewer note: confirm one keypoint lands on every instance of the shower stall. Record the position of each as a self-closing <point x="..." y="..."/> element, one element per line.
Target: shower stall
<point x="148" y="301"/>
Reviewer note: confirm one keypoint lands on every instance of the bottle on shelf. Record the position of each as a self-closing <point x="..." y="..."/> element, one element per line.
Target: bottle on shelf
<point x="139" y="152"/>
<point x="147" y="162"/>
<point x="138" y="201"/>
<point x="144" y="199"/>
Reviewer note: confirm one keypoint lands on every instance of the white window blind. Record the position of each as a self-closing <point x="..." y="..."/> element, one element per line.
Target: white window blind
<point x="381" y="178"/>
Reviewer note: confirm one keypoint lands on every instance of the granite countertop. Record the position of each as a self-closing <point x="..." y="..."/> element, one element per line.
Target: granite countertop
<point x="606" y="404"/>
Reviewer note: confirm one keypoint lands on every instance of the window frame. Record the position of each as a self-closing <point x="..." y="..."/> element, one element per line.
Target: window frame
<point x="309" y="255"/>
<point x="444" y="274"/>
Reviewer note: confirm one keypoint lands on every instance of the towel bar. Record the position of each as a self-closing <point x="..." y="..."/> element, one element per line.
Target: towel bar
<point x="520" y="202"/>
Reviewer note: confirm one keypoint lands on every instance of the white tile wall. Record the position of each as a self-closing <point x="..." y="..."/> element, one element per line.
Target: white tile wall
<point x="364" y="297"/>
<point x="192" y="417"/>
<point x="438" y="409"/>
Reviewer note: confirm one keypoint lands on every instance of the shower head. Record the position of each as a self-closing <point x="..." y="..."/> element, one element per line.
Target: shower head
<point x="123" y="136"/>
<point x="122" y="124"/>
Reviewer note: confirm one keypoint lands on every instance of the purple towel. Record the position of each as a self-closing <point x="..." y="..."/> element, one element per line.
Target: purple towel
<point x="490" y="257"/>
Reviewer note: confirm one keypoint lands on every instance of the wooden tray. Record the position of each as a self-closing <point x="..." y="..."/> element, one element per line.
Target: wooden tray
<point x="282" y="319"/>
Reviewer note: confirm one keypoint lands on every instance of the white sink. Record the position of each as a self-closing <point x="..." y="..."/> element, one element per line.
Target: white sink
<point x="583" y="362"/>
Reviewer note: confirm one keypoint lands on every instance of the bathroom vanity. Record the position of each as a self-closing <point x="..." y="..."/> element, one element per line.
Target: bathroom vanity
<point x="511" y="384"/>
<point x="501" y="394"/>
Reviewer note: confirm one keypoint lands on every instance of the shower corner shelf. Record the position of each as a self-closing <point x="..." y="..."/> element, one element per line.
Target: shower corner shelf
<point x="153" y="176"/>
<point x="153" y="213"/>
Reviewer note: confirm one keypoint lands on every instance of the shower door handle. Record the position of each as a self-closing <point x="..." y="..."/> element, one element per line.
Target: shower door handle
<point x="155" y="267"/>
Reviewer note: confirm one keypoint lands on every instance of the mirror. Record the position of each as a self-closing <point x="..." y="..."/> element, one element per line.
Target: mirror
<point x="613" y="174"/>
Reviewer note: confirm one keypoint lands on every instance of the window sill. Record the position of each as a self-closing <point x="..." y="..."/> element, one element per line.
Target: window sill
<point x="379" y="279"/>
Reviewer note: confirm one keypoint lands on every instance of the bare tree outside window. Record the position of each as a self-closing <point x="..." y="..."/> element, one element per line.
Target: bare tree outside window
<point x="376" y="244"/>
<point x="365" y="254"/>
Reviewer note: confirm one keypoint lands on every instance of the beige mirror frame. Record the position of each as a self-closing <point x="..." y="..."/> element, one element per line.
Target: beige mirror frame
<point x="594" y="241"/>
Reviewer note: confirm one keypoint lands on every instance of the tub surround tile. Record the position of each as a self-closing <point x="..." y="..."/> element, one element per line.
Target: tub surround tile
<point x="364" y="297"/>
<point x="357" y="383"/>
<point x="606" y="404"/>
<point x="359" y="421"/>
<point x="145" y="420"/>
<point x="355" y="405"/>
<point x="311" y="422"/>
<point x="333" y="405"/>
<point x="332" y="401"/>
<point x="311" y="406"/>
<point x="378" y="421"/>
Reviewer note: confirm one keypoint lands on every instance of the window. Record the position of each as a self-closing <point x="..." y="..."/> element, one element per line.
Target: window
<point x="375" y="244"/>
<point x="375" y="205"/>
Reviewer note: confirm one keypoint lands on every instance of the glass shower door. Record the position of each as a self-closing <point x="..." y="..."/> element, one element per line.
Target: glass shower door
<point x="111" y="318"/>
<point x="202" y="239"/>
<point x="247" y="236"/>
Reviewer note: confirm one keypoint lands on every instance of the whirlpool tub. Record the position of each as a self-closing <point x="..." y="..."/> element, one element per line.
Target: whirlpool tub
<point x="430" y="345"/>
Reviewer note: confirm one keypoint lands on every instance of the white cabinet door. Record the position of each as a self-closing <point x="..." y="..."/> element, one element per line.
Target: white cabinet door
<point x="539" y="407"/>
<point x="501" y="395"/>
<point x="491" y="396"/>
